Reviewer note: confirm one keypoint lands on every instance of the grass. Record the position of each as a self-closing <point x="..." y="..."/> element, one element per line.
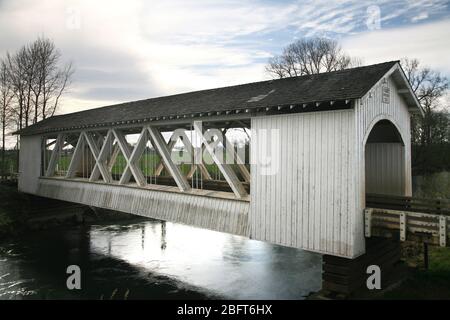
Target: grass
<point x="10" y="164"/>
<point x="433" y="283"/>
<point x="147" y="163"/>
<point x="13" y="210"/>
<point x="436" y="185"/>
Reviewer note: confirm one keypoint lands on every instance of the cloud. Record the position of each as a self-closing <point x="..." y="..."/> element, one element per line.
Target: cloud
<point x="427" y="42"/>
<point x="138" y="49"/>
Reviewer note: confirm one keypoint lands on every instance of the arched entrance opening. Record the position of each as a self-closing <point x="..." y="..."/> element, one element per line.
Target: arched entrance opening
<point x="385" y="160"/>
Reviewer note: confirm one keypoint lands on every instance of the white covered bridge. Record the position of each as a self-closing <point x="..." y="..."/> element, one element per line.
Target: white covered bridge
<point x="317" y="145"/>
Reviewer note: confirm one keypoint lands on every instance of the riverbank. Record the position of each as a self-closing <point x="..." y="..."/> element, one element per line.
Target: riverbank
<point x="14" y="211"/>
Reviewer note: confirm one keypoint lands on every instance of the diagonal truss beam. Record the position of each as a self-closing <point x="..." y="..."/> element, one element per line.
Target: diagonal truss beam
<point x="76" y="157"/>
<point x="131" y="157"/>
<point x="93" y="145"/>
<point x="114" y="155"/>
<point x="100" y="146"/>
<point x="101" y="166"/>
<point x="161" y="146"/>
<point x="190" y="149"/>
<point x="188" y="145"/>
<point x="226" y="169"/>
<point x="54" y="157"/>
<point x="131" y="167"/>
<point x="160" y="166"/>
<point x="242" y="168"/>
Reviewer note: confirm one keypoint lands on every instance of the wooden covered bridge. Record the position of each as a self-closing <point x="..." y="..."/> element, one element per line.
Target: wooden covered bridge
<point x="317" y="145"/>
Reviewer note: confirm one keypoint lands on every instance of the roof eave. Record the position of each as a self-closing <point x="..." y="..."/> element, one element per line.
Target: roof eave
<point x="407" y="91"/>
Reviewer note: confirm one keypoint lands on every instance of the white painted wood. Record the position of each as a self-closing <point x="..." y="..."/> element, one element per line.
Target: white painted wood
<point x="54" y="156"/>
<point x="368" y="111"/>
<point x="224" y="168"/>
<point x="222" y="213"/>
<point x="93" y="146"/>
<point x="309" y="201"/>
<point x="402" y="226"/>
<point x="243" y="170"/>
<point x="204" y="171"/>
<point x="161" y="147"/>
<point x="442" y="231"/>
<point x="76" y="157"/>
<point x="190" y="149"/>
<point x="114" y="154"/>
<point x="160" y="166"/>
<point x="101" y="166"/>
<point x="131" y="157"/>
<point x="131" y="168"/>
<point x="368" y="222"/>
<point x="30" y="162"/>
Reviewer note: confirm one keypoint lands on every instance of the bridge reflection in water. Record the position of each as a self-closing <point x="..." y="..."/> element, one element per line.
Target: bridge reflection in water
<point x="226" y="265"/>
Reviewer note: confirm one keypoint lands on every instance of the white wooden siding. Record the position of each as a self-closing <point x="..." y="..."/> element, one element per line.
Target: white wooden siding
<point x="310" y="202"/>
<point x="368" y="111"/>
<point x="219" y="214"/>
<point x="29" y="163"/>
<point x="385" y="166"/>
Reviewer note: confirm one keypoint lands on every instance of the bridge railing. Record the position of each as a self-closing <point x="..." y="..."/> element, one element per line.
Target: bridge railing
<point x="424" y="220"/>
<point x="435" y="206"/>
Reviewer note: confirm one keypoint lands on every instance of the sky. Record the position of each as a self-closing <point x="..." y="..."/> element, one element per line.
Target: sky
<point x="136" y="49"/>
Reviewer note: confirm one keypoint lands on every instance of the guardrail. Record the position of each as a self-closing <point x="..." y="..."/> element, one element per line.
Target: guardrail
<point x="424" y="220"/>
<point x="9" y="177"/>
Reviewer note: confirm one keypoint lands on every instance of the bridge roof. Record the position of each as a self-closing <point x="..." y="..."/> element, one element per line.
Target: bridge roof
<point x="331" y="86"/>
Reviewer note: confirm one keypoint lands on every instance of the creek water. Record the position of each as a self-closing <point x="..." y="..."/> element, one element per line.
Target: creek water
<point x="151" y="259"/>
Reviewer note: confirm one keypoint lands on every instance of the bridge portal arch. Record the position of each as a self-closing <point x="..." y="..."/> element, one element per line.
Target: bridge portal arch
<point x="385" y="158"/>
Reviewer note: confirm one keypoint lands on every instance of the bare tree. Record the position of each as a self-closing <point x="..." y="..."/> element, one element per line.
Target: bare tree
<point x="16" y="75"/>
<point x="6" y="96"/>
<point x="310" y="56"/>
<point x="430" y="87"/>
<point x="430" y="133"/>
<point x="51" y="80"/>
<point x="38" y="80"/>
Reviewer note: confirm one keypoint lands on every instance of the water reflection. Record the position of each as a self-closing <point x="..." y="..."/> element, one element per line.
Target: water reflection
<point x="154" y="260"/>
<point x="228" y="265"/>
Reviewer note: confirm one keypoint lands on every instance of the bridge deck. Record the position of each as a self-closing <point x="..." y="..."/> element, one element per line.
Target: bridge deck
<point x="412" y="219"/>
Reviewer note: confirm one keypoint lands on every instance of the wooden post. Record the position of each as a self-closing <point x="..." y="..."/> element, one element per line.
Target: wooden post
<point x="368" y="222"/>
<point x="442" y="231"/>
<point x="402" y="226"/>
<point x="425" y="255"/>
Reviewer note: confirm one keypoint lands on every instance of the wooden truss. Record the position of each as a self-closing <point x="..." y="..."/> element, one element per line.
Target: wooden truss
<point x="100" y="147"/>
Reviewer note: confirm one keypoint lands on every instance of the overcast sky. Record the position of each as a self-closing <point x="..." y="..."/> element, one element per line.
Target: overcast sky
<point x="135" y="49"/>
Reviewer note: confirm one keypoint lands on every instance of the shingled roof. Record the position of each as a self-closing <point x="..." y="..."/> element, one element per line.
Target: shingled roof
<point x="331" y="86"/>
